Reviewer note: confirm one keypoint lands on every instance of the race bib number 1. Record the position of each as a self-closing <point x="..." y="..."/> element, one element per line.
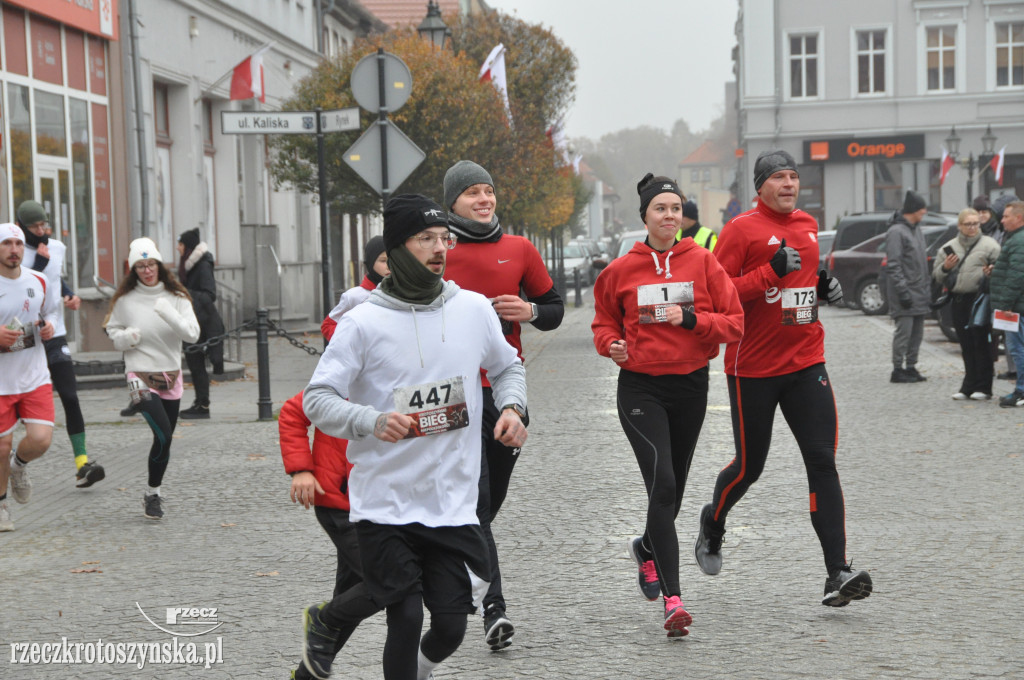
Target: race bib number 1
<point x="435" y="407"/>
<point x="653" y="300"/>
<point x="799" y="306"/>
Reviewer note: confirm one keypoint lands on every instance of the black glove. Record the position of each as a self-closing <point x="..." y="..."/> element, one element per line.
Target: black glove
<point x="905" y="301"/>
<point x="829" y="288"/>
<point x="785" y="260"/>
<point x="689" y="319"/>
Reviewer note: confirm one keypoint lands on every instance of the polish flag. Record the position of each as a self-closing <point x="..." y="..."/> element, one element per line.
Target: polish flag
<point x="997" y="165"/>
<point x="247" y="78"/>
<point x="945" y="164"/>
<point x="493" y="71"/>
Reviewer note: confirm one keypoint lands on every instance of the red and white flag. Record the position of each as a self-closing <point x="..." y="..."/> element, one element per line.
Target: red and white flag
<point x="493" y="71"/>
<point x="944" y="165"/>
<point x="247" y="78"/>
<point x="997" y="165"/>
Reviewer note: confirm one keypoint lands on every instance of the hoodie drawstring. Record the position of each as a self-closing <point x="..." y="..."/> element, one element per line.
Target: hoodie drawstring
<point x="657" y="265"/>
<point x="416" y="328"/>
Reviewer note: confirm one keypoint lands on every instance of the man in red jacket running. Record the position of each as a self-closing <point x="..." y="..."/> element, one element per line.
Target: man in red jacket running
<point x="780" y="363"/>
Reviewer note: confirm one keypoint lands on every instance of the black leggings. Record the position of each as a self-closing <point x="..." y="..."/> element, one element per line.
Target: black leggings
<point x="62" y="375"/>
<point x="162" y="416"/>
<point x="662" y="416"/>
<point x="809" y="407"/>
<point x="405" y="623"/>
<point x="495" y="474"/>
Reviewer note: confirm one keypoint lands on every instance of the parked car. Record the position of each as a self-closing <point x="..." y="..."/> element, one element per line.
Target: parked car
<point x="575" y="258"/>
<point x="859" y="227"/>
<point x="825" y="239"/>
<point x="627" y="239"/>
<point x="859" y="270"/>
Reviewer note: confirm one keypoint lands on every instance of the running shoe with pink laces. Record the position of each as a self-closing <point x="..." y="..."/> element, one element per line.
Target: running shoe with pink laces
<point x="650" y="587"/>
<point x="676" y="618"/>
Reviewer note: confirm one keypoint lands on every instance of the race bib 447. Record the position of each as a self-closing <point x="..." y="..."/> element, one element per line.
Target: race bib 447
<point x="435" y="407"/>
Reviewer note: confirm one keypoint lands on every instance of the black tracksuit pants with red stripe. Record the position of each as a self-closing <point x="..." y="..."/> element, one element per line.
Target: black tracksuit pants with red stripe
<point x="809" y="407"/>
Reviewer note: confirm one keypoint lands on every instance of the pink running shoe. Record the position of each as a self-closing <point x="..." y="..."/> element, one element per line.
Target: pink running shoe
<point x="676" y="618"/>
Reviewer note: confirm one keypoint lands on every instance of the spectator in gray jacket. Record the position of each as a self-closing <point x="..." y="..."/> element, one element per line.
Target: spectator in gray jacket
<point x="908" y="286"/>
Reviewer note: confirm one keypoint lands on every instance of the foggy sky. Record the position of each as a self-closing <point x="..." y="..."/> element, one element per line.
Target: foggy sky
<point x="641" y="62"/>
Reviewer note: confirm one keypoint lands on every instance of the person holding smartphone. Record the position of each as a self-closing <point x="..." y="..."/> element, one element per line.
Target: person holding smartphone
<point x="965" y="269"/>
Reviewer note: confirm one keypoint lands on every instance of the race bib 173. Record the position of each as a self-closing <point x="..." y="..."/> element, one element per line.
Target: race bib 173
<point x="799" y="306"/>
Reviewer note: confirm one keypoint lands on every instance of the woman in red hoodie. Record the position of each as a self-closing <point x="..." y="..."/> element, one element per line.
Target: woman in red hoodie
<point x="661" y="311"/>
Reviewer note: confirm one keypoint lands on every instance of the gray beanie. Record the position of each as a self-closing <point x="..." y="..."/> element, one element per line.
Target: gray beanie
<point x="31" y="212"/>
<point x="999" y="205"/>
<point x="769" y="162"/>
<point x="460" y="177"/>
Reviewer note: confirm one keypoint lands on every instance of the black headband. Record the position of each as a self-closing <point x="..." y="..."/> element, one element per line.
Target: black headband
<point x="648" y="189"/>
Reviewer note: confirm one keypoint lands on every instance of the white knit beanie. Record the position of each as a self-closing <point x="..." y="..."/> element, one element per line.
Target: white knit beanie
<point x="142" y="249"/>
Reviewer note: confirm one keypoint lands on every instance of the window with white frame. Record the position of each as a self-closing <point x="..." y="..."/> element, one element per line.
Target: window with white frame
<point x="803" y="66"/>
<point x="1009" y="46"/>
<point x="871" y="61"/>
<point x="940" y="48"/>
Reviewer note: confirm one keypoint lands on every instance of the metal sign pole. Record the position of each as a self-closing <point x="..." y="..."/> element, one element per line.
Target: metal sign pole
<point x="327" y="301"/>
<point x="382" y="118"/>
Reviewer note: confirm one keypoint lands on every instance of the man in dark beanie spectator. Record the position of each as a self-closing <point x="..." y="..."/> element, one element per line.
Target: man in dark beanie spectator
<point x="401" y="380"/>
<point x="500" y="266"/>
<point x="195" y="271"/>
<point x="780" y="363"/>
<point x="908" y="286"/>
<point x="692" y="228"/>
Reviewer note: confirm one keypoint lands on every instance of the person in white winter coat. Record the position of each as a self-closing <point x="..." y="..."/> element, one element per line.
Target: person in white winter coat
<point x="150" y="316"/>
<point x="400" y="380"/>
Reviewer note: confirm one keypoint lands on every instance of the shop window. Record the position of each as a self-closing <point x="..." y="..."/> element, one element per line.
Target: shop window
<point x="812" y="192"/>
<point x="1010" y="54"/>
<point x="888" y="185"/>
<point x="81" y="179"/>
<point x="941" y="58"/>
<point x="161" y="116"/>
<point x="51" y="133"/>
<point x="19" y="116"/>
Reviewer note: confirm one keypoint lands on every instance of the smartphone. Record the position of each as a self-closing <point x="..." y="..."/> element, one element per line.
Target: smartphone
<point x="947" y="249"/>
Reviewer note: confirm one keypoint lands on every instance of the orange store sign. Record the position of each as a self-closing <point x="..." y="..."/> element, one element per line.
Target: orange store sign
<point x="98" y="17"/>
<point x="906" y="147"/>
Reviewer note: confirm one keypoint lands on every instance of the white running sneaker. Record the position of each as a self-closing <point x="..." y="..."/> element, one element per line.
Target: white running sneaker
<point x="980" y="396"/>
<point x="5" y="518"/>
<point x="21" y="485"/>
<point x="960" y="396"/>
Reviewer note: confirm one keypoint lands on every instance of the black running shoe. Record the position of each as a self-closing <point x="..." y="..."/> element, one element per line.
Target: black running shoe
<point x="914" y="375"/>
<point x="89" y="474"/>
<point x="900" y="375"/>
<point x="129" y="410"/>
<point x="708" y="548"/>
<point x="153" y="506"/>
<point x="650" y="586"/>
<point x="498" y="630"/>
<point x="845" y="586"/>
<point x="318" y="640"/>
<point x="195" y="412"/>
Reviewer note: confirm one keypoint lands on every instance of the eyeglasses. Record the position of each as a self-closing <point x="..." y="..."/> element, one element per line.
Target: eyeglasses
<point x="971" y="224"/>
<point x="426" y="240"/>
<point x="143" y="266"/>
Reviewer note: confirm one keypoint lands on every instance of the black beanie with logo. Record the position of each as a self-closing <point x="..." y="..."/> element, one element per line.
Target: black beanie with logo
<point x="406" y="215"/>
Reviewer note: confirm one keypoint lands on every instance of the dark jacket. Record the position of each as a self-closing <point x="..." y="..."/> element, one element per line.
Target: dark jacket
<point x="1007" y="282"/>
<point x="906" y="269"/>
<point x="202" y="286"/>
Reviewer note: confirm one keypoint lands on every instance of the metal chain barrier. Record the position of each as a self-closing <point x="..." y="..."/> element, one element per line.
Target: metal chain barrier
<point x="313" y="351"/>
<point x="205" y="345"/>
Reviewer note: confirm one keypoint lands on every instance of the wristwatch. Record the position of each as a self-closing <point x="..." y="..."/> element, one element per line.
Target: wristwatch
<point x="533" y="306"/>
<point x="515" y="407"/>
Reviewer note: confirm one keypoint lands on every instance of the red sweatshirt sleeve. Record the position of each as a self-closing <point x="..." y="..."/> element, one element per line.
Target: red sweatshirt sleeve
<point x="607" y="325"/>
<point x="750" y="279"/>
<point x="725" y="323"/>
<point x="293" y="431"/>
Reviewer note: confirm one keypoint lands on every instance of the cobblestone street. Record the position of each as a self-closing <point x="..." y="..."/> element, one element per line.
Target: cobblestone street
<point x="932" y="500"/>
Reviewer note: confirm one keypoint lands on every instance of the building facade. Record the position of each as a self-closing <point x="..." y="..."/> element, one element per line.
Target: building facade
<point x="865" y="95"/>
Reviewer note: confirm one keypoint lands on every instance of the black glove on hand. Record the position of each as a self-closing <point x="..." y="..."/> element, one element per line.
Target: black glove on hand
<point x="905" y="301"/>
<point x="785" y="260"/>
<point x="689" y="319"/>
<point x="829" y="288"/>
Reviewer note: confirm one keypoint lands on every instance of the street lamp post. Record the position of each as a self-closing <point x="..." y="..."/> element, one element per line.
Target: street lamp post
<point x="988" y="145"/>
<point x="432" y="27"/>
